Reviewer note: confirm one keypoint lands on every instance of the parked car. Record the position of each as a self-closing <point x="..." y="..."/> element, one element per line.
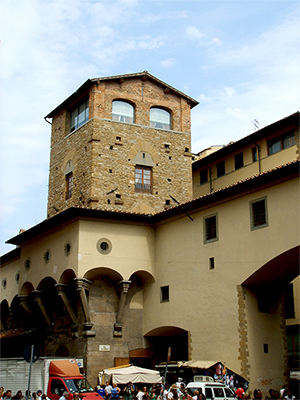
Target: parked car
<point x="211" y="390"/>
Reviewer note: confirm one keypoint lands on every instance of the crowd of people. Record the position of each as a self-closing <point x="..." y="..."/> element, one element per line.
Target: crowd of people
<point x="284" y="393"/>
<point x="155" y="392"/>
<point x="38" y="395"/>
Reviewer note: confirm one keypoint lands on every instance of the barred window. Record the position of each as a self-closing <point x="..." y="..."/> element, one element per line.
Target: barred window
<point x="258" y="214"/>
<point x="210" y="229"/>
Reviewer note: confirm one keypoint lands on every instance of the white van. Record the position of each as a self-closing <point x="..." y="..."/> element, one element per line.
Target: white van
<point x="211" y="390"/>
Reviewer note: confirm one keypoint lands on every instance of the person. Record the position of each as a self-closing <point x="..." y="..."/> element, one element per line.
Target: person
<point x="7" y="395"/>
<point x="44" y="397"/>
<point x="64" y="396"/>
<point x="240" y="393"/>
<point x="1" y="392"/>
<point x="140" y="394"/>
<point x="185" y="395"/>
<point x="129" y="391"/>
<point x="288" y="395"/>
<point x="18" y="395"/>
<point x="39" y="395"/>
<point x="173" y="394"/>
<point x="107" y="389"/>
<point x="101" y="390"/>
<point x="282" y="391"/>
<point x="115" y="391"/>
<point x="272" y="394"/>
<point x="196" y="393"/>
<point x="76" y="395"/>
<point x="277" y="394"/>
<point x="201" y="396"/>
<point x="257" y="394"/>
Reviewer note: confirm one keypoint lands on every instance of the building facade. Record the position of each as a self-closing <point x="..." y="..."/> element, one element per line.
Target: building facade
<point x="119" y="272"/>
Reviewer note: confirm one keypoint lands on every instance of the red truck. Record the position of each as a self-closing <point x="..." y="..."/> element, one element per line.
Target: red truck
<point x="52" y="376"/>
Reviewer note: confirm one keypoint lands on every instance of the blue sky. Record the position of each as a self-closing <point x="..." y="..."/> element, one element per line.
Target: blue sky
<point x="240" y="59"/>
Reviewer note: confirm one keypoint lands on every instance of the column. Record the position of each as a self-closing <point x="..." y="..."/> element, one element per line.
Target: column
<point x="82" y="286"/>
<point x="60" y="288"/>
<point x="38" y="298"/>
<point x="123" y="289"/>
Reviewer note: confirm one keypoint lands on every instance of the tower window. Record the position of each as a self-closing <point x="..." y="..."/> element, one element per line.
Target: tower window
<point x="69" y="185"/>
<point x="160" y="118"/>
<point x="143" y="179"/>
<point x="122" y="111"/>
<point x="79" y="115"/>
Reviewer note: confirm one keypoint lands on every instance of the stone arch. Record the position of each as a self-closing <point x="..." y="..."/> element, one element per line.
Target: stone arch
<point x="107" y="272"/>
<point x="26" y="288"/>
<point x="143" y="146"/>
<point x="277" y="272"/>
<point x="67" y="276"/>
<point x="69" y="162"/>
<point x="4" y="313"/>
<point x="161" y="338"/>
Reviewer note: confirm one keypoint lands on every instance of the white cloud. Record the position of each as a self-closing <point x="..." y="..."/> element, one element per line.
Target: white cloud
<point x="194" y="33"/>
<point x="168" y="62"/>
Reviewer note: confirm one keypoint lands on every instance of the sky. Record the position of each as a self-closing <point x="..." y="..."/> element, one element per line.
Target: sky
<point x="240" y="59"/>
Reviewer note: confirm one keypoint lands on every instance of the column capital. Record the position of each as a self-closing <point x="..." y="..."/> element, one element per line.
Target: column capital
<point x="83" y="283"/>
<point x="123" y="286"/>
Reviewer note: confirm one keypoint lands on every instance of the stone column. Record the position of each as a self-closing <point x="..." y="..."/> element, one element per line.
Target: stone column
<point x="38" y="298"/>
<point x="123" y="288"/>
<point x="60" y="288"/>
<point x="82" y="286"/>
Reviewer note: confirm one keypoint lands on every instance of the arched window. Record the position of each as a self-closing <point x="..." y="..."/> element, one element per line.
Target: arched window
<point x="122" y="111"/>
<point x="160" y="118"/>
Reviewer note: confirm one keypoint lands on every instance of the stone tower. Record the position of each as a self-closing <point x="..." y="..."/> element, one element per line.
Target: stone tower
<point x="121" y="143"/>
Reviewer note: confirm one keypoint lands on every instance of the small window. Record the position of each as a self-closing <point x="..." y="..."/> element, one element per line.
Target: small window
<point x="274" y="146"/>
<point x="79" y="115"/>
<point x="203" y="176"/>
<point x="143" y="179"/>
<point x="210" y="229"/>
<point x="254" y="154"/>
<point x="164" y="294"/>
<point x="122" y="111"/>
<point x="69" y="185"/>
<point x="258" y="212"/>
<point x="221" y="168"/>
<point x="238" y="161"/>
<point x="160" y="118"/>
<point x="288" y="139"/>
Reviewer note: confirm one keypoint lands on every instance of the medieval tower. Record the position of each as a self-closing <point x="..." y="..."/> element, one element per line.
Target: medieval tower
<point x="121" y="143"/>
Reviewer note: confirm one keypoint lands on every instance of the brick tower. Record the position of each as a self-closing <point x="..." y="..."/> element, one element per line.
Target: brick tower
<point x="121" y="143"/>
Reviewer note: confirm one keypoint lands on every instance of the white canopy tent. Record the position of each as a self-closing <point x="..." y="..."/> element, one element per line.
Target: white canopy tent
<point x="129" y="374"/>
